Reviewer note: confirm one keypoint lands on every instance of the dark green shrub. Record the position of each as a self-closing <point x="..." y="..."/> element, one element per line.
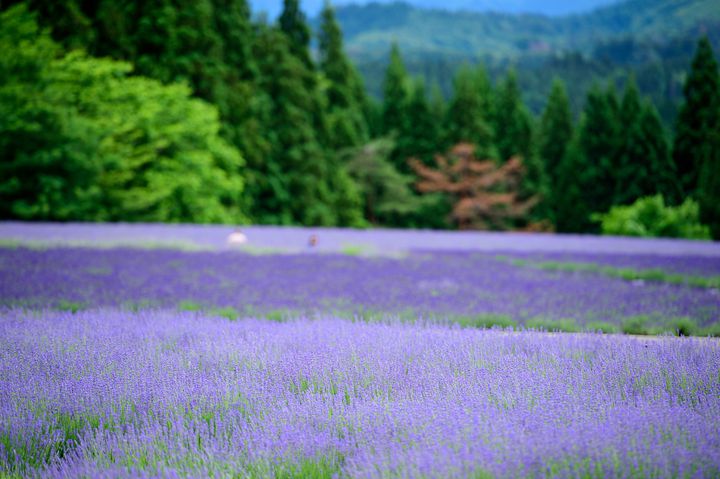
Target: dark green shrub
<point x="636" y="325"/>
<point x="601" y="326"/>
<point x="566" y="325"/>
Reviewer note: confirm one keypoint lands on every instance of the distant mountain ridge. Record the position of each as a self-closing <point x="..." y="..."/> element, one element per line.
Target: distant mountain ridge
<point x="370" y="29"/>
<point x="543" y="7"/>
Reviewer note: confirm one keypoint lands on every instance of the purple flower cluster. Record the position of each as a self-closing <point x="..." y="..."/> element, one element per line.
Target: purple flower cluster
<point x="424" y="284"/>
<point x="147" y="394"/>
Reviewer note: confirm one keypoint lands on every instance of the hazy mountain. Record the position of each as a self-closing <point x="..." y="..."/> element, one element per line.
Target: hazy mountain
<point x="370" y="29"/>
<point x="652" y="39"/>
<point x="543" y="7"/>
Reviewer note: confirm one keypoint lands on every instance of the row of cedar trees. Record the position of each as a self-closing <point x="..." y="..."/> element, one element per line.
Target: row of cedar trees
<point x="318" y="151"/>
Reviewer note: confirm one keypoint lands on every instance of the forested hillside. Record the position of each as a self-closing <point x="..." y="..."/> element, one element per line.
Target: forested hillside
<point x="654" y="39"/>
<point x="198" y="111"/>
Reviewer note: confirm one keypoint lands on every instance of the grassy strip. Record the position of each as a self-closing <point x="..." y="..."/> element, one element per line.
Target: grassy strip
<point x="628" y="274"/>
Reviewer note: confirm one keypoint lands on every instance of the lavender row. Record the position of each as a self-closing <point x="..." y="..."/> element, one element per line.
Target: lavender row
<point x="148" y="394"/>
<point x="295" y="239"/>
<point x="688" y="265"/>
<point x="428" y="284"/>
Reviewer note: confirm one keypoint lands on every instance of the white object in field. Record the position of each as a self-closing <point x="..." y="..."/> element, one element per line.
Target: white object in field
<point x="236" y="238"/>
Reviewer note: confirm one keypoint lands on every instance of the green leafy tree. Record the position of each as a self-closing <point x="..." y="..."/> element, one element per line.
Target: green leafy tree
<point x="698" y="120"/>
<point x="649" y="216"/>
<point x="469" y="110"/>
<point x="121" y="148"/>
<point x="709" y="188"/>
<point x="386" y="193"/>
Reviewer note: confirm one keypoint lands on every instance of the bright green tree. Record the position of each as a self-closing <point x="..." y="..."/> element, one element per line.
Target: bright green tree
<point x="698" y="120"/>
<point x="108" y="146"/>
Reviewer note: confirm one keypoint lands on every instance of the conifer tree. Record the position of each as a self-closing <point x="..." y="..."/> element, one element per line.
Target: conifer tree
<point x="556" y="129"/>
<point x="396" y="93"/>
<point x="468" y="114"/>
<point x="630" y="166"/>
<point x="344" y="90"/>
<point x="662" y="177"/>
<point x="571" y="205"/>
<point x="598" y="138"/>
<point x="698" y="119"/>
<point x="512" y="122"/>
<point x="300" y="183"/>
<point x="292" y="22"/>
<point x="419" y="136"/>
<point x="709" y="187"/>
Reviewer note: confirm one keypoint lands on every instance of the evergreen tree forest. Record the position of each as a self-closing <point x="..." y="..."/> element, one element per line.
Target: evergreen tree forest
<point x="196" y="111"/>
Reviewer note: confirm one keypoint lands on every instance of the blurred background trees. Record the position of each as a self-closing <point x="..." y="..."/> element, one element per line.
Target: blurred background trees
<point x="197" y="111"/>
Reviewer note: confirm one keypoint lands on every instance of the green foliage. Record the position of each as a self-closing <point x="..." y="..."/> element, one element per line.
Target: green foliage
<point x="636" y="325"/>
<point x="86" y="141"/>
<point x="683" y="326"/>
<point x="396" y="93"/>
<point x="309" y="195"/>
<point x="556" y="129"/>
<point x="419" y="136"/>
<point x="567" y="325"/>
<point x="344" y="91"/>
<point x="292" y="22"/>
<point x="605" y="328"/>
<point x="486" y="321"/>
<point x="385" y="192"/>
<point x="469" y="112"/>
<point x="511" y="121"/>
<point x="696" y="137"/>
<point x="651" y="217"/>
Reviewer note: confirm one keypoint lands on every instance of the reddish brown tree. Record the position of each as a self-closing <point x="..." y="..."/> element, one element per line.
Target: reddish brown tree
<point x="485" y="194"/>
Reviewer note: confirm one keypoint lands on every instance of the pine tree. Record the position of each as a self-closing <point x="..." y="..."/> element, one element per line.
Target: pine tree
<point x="556" y="129"/>
<point x="469" y="111"/>
<point x="419" y="136"/>
<point x="511" y="120"/>
<point x="300" y="181"/>
<point x="709" y="187"/>
<point x="570" y="203"/>
<point x="344" y="90"/>
<point x="630" y="164"/>
<point x="662" y="177"/>
<point x="598" y="139"/>
<point x="292" y="22"/>
<point x="698" y="119"/>
<point x="396" y="93"/>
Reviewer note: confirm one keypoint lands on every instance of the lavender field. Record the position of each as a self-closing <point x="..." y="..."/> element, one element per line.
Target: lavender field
<point x="366" y="356"/>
